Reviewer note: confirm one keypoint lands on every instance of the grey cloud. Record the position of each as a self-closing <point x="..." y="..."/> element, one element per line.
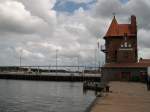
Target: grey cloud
<point x="143" y="38"/>
<point x="14" y="18"/>
<point x="41" y="9"/>
<point x="105" y="9"/>
<point x="140" y="8"/>
<point x="41" y="31"/>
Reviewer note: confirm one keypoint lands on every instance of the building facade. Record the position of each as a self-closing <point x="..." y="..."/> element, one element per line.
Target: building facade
<point x="121" y="52"/>
<point x="121" y="42"/>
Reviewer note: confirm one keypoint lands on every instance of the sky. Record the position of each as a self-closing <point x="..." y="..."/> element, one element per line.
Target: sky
<point x="35" y="29"/>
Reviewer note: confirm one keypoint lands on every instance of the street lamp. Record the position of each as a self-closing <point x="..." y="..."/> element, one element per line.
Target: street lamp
<point x="78" y="62"/>
<point x="56" y="59"/>
<point x="95" y="59"/>
<point x="20" y="58"/>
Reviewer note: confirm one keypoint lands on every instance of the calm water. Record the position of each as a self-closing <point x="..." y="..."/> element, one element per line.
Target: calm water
<point x="38" y="96"/>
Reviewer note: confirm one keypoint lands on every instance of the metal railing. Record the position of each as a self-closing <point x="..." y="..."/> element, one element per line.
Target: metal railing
<point x="103" y="48"/>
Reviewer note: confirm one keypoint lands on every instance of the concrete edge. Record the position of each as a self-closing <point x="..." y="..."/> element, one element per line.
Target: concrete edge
<point x="100" y="96"/>
<point x="89" y="108"/>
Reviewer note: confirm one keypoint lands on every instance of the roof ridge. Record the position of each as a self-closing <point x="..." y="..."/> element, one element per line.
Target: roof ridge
<point x="116" y="29"/>
<point x="113" y="28"/>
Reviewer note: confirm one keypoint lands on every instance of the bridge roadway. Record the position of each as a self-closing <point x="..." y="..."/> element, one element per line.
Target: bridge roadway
<point x="45" y="66"/>
<point x="75" y="77"/>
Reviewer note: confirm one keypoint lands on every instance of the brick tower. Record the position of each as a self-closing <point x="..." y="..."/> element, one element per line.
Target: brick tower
<point x="121" y="42"/>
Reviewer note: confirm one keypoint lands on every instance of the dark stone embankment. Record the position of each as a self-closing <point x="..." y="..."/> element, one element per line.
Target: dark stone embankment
<point x="49" y="77"/>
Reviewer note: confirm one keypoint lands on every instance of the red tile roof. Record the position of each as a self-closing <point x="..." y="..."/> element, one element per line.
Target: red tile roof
<point x="116" y="29"/>
<point x="113" y="29"/>
<point x="124" y="29"/>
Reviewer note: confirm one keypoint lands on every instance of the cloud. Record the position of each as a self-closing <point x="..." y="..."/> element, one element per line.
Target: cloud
<point x="41" y="9"/>
<point x="39" y="30"/>
<point x="105" y="10"/>
<point x="14" y="18"/>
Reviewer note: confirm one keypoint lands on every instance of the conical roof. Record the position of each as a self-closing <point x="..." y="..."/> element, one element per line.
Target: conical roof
<point x="116" y="29"/>
<point x="113" y="28"/>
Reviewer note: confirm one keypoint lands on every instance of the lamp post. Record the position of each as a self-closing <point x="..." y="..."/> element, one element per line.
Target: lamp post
<point x="78" y="62"/>
<point x="95" y="58"/>
<point x="20" y="58"/>
<point x="56" y="59"/>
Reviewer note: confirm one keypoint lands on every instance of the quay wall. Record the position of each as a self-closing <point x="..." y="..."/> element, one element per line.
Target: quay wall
<point x="50" y="78"/>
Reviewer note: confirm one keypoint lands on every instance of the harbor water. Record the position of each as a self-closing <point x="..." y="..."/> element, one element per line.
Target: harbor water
<point x="43" y="96"/>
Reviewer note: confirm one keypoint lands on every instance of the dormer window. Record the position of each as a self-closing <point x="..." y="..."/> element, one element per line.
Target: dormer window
<point x="129" y="45"/>
<point x="125" y="44"/>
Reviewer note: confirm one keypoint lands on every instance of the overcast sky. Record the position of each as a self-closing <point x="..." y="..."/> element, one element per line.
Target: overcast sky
<point x="34" y="29"/>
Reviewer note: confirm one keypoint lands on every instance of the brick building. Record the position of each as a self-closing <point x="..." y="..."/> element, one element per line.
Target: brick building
<point x="121" y="52"/>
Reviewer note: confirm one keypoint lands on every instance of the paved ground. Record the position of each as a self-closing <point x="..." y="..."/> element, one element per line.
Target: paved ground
<point x="125" y="97"/>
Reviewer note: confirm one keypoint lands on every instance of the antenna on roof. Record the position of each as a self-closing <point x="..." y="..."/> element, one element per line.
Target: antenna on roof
<point x="114" y="14"/>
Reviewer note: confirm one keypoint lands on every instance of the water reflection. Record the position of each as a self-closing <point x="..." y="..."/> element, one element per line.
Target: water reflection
<point x="38" y="96"/>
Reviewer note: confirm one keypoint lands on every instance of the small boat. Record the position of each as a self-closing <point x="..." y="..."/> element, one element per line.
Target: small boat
<point x="96" y="86"/>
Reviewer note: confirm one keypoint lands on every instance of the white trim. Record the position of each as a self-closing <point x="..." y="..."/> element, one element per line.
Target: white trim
<point x="126" y="49"/>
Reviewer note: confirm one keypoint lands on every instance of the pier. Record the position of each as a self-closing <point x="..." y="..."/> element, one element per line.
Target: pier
<point x="124" y="97"/>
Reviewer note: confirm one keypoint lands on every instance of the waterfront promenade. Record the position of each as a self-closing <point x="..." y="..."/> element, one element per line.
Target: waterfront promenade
<point x="125" y="97"/>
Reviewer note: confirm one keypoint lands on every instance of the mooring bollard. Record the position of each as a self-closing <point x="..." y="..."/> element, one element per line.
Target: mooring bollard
<point x="107" y="88"/>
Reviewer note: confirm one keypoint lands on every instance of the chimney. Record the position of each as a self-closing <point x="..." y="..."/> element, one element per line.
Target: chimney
<point x="133" y="24"/>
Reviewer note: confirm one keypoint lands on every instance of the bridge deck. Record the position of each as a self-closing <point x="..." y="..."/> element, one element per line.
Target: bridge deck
<point x="52" y="77"/>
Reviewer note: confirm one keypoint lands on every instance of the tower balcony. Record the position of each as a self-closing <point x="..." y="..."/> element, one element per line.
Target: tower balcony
<point x="103" y="48"/>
